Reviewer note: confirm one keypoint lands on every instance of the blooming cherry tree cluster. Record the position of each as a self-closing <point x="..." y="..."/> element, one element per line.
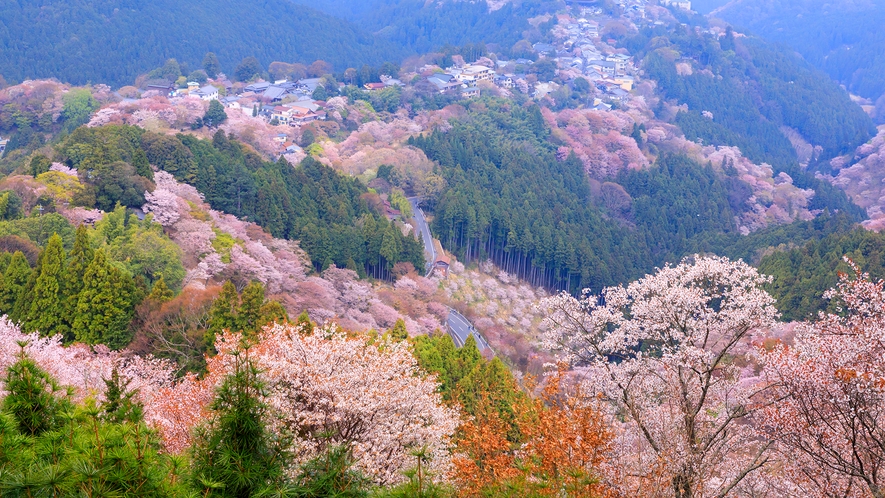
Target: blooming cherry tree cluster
<point x="281" y="265"/>
<point x="600" y="139"/>
<point x="329" y="388"/>
<point x="83" y="368"/>
<point x="826" y="395"/>
<point x="662" y="353"/>
<point x="860" y="176"/>
<point x="369" y="395"/>
<point x="278" y="264"/>
<point x="163" y="204"/>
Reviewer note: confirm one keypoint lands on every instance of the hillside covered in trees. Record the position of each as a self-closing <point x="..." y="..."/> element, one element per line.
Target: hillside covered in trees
<point x="426" y="27"/>
<point x="69" y="40"/>
<point x="741" y="92"/>
<point x="191" y="307"/>
<point x="511" y="198"/>
<point x="327" y="212"/>
<point x="839" y="38"/>
<point x="221" y="391"/>
<point x="302" y="410"/>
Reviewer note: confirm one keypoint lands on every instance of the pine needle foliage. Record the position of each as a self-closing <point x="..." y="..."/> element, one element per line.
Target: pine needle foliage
<point x="331" y="475"/>
<point x="235" y="455"/>
<point x="51" y="447"/>
<point x="35" y="401"/>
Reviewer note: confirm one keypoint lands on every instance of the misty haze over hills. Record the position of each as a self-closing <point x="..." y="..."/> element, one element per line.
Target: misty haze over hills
<point x="842" y="38"/>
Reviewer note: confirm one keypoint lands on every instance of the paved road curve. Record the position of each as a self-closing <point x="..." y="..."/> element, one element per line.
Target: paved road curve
<point x="424" y="230"/>
<point x="457" y="326"/>
<point x="460" y="328"/>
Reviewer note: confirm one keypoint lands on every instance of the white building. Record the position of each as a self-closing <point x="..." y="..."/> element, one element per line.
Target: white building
<point x="682" y="4"/>
<point x="208" y="92"/>
<point x="479" y="73"/>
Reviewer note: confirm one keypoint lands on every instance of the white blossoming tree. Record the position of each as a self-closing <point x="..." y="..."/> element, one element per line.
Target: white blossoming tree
<point x="329" y="388"/>
<point x="663" y="353"/>
<point x="827" y="395"/>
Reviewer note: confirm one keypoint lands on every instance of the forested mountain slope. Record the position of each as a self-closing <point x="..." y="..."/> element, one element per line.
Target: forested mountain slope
<point x="741" y="91"/>
<point x="513" y="198"/>
<point x="426" y="26"/>
<point x="113" y="42"/>
<point x="309" y="202"/>
<point x="843" y="38"/>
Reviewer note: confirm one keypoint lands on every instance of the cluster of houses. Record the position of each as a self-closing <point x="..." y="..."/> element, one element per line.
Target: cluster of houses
<point x="386" y="81"/>
<point x="281" y="102"/>
<point x="467" y="79"/>
<point x="461" y="78"/>
<point x="283" y="89"/>
<point x="682" y="4"/>
<point x="204" y="92"/>
<point x="294" y="113"/>
<point x="286" y="146"/>
<point x="578" y="51"/>
<point x="581" y="50"/>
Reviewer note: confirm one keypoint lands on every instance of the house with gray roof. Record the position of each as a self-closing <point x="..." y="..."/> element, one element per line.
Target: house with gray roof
<point x="258" y="87"/>
<point x="274" y="93"/>
<point x="310" y="84"/>
<point x="207" y="92"/>
<point x="444" y="82"/>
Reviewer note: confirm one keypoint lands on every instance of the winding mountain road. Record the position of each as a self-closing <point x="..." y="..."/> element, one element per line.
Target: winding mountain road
<point x="424" y="230"/>
<point x="458" y="327"/>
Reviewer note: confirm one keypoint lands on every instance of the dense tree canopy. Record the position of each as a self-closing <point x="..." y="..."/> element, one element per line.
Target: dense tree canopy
<point x="785" y="91"/>
<point x="69" y="40"/>
<point x="842" y="41"/>
<point x="676" y="202"/>
<point x="509" y="199"/>
<point x="311" y="203"/>
<point x="111" y="162"/>
<point x="424" y="27"/>
<point x="803" y="274"/>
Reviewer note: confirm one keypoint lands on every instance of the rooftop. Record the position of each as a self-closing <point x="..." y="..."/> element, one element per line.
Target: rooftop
<point x="274" y="92"/>
<point x="257" y="87"/>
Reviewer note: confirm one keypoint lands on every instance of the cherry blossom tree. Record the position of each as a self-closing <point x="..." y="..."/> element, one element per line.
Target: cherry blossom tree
<point x="329" y="388"/>
<point x="84" y="368"/>
<point x="163" y="203"/>
<point x="600" y="140"/>
<point x="662" y="351"/>
<point x="826" y="398"/>
<point x="368" y="395"/>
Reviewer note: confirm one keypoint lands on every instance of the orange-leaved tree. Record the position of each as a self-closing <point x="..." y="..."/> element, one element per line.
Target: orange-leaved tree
<point x="564" y="445"/>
